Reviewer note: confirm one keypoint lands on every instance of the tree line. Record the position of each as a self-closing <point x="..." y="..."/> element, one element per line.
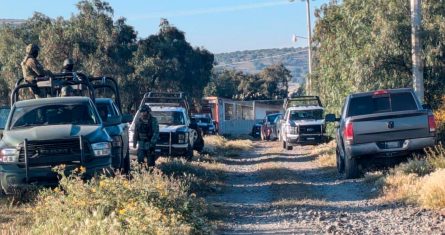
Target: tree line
<point x="101" y="46"/>
<point x="366" y="45"/>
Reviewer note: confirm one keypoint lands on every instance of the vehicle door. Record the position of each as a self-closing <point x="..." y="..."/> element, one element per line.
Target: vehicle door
<point x="4" y="114"/>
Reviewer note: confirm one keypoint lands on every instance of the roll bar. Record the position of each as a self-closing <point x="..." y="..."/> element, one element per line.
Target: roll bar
<point x="54" y="83"/>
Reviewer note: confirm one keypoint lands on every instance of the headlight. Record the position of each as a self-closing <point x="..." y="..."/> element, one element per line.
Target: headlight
<point x="101" y="149"/>
<point x="182" y="138"/>
<point x="9" y="155"/>
<point x="292" y="130"/>
<point x="117" y="142"/>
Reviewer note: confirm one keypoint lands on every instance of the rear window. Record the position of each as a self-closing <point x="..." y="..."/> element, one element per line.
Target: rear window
<point x="382" y="103"/>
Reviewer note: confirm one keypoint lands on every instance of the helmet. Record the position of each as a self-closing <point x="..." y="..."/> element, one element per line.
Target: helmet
<point x="32" y="50"/>
<point x="68" y="64"/>
<point x="67" y="91"/>
<point x="144" y="108"/>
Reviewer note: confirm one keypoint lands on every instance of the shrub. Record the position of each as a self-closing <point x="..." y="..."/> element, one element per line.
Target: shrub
<point x="433" y="190"/>
<point x="216" y="144"/>
<point x="149" y="203"/>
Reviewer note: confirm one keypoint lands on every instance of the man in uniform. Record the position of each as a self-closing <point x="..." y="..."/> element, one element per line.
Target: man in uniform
<point x="32" y="69"/>
<point x="146" y="133"/>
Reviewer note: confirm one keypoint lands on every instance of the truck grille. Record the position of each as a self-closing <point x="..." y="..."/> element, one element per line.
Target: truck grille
<point x="310" y="129"/>
<point x="164" y="138"/>
<point x="53" y="152"/>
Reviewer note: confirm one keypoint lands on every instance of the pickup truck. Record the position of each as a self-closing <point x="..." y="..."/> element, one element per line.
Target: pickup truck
<point x="43" y="133"/>
<point x="303" y="122"/>
<point x="378" y="125"/>
<point x="178" y="136"/>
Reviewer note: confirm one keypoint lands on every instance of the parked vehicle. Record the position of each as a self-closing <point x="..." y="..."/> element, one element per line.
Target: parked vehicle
<point x="269" y="127"/>
<point x="303" y="122"/>
<point x="178" y="136"/>
<point x="205" y="123"/>
<point x="256" y="129"/>
<point x="43" y="133"/>
<point x="378" y="125"/>
<point x="4" y="113"/>
<point x="118" y="133"/>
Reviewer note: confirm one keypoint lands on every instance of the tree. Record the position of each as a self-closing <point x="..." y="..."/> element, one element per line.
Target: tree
<point x="364" y="45"/>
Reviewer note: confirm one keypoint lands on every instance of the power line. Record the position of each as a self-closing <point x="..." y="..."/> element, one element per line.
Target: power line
<point x="267" y="57"/>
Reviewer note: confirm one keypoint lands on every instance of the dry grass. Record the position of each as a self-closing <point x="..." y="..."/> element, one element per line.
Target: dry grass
<point x="419" y="181"/>
<point x="325" y="154"/>
<point x="217" y="144"/>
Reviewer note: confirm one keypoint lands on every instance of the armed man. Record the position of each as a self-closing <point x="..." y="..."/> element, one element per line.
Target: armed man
<point x="32" y="69"/>
<point x="146" y="133"/>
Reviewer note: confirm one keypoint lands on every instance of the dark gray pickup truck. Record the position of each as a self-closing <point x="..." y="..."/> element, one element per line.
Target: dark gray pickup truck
<point x="381" y="124"/>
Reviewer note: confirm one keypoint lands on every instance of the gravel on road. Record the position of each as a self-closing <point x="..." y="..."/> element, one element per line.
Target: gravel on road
<point x="272" y="191"/>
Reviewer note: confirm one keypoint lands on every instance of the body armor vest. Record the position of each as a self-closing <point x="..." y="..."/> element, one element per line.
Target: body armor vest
<point x="146" y="130"/>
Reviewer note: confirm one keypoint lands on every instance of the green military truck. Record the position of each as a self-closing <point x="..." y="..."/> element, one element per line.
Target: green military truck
<point x="42" y="133"/>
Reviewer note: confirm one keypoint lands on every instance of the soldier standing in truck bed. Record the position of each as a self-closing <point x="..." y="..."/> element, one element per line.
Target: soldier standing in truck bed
<point x="32" y="69"/>
<point x="146" y="133"/>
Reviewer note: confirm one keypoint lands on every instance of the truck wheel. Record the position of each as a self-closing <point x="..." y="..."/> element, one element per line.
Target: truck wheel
<point x="288" y="147"/>
<point x="351" y="167"/>
<point x="127" y="165"/>
<point x="340" y="162"/>
<point x="284" y="144"/>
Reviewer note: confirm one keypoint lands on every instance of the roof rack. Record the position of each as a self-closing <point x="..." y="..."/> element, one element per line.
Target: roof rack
<point x="300" y="101"/>
<point x="173" y="99"/>
<point x="54" y="84"/>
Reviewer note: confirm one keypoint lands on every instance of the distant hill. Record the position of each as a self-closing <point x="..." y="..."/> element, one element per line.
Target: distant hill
<point x="253" y="61"/>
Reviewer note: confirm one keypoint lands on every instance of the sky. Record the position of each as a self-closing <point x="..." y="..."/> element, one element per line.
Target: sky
<point x="217" y="25"/>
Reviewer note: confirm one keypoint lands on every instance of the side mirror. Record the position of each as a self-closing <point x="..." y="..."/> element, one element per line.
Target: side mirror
<point x="113" y="121"/>
<point x="330" y="118"/>
<point x="426" y="106"/>
<point x="127" y="118"/>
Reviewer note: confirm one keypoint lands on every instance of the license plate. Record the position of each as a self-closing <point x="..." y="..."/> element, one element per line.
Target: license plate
<point x="257" y="133"/>
<point x="310" y="138"/>
<point x="392" y="144"/>
<point x="157" y="150"/>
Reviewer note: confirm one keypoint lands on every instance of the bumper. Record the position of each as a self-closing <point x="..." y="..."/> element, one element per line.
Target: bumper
<point x="14" y="176"/>
<point x="176" y="150"/>
<point x="304" y="139"/>
<point x="408" y="146"/>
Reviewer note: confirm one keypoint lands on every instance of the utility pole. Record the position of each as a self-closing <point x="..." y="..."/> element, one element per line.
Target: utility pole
<point x="309" y="32"/>
<point x="416" y="50"/>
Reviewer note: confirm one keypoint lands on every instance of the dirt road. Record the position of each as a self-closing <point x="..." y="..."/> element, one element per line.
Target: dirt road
<point x="272" y="191"/>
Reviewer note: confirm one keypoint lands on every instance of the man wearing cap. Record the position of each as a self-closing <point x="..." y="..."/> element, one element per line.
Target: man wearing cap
<point x="146" y="133"/>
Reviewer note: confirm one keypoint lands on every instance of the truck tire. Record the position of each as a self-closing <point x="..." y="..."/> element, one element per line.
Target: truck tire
<point x="288" y="147"/>
<point x="284" y="144"/>
<point x="127" y="166"/>
<point x="351" y="167"/>
<point x="340" y="162"/>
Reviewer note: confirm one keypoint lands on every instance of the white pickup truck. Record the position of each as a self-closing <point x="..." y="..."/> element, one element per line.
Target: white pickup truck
<point x="303" y="122"/>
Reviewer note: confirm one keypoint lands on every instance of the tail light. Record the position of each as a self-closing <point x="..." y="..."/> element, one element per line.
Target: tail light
<point x="381" y="92"/>
<point x="432" y="123"/>
<point x="349" y="132"/>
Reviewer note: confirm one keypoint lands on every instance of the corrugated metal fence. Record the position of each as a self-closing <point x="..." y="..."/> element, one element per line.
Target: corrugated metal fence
<point x="236" y="127"/>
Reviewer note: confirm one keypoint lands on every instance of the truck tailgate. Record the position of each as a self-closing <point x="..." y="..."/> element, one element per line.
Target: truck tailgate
<point x="390" y="126"/>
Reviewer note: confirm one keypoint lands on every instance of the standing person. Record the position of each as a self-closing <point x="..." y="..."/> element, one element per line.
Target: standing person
<point x="146" y="133"/>
<point x="32" y="69"/>
<point x="68" y="66"/>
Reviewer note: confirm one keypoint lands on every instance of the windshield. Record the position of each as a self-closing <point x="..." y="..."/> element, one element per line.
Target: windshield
<point x="105" y="110"/>
<point x="272" y="118"/>
<point x="202" y="119"/>
<point x="169" y="117"/>
<point x="76" y="114"/>
<point x="306" y="114"/>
